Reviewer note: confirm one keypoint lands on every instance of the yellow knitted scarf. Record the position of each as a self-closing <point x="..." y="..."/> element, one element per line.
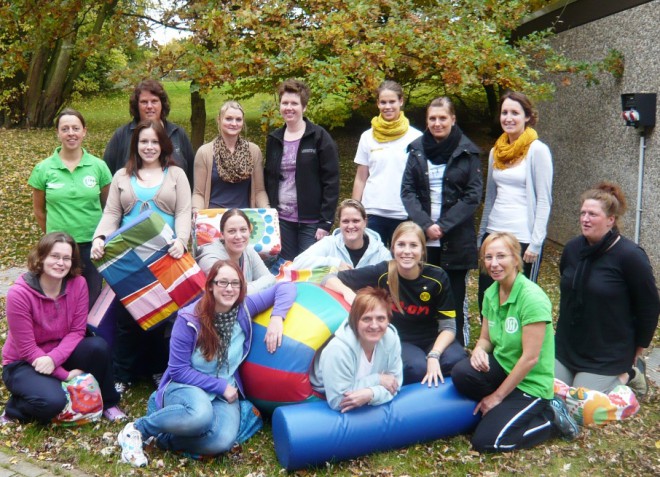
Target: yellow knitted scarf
<point x="386" y="131"/>
<point x="507" y="155"/>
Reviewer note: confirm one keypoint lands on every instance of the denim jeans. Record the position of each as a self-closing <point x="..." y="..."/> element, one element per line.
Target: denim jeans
<point x="384" y="226"/>
<point x="414" y="360"/>
<point x="296" y="238"/>
<point x="191" y="422"/>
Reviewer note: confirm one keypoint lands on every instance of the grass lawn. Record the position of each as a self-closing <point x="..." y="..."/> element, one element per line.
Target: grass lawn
<point x="625" y="448"/>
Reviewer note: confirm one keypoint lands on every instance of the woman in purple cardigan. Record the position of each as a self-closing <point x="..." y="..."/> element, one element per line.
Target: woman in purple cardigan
<point x="46" y="343"/>
<point x="198" y="398"/>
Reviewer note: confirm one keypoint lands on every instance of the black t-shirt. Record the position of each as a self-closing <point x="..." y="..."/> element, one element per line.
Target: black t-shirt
<point x="357" y="254"/>
<point x="425" y="300"/>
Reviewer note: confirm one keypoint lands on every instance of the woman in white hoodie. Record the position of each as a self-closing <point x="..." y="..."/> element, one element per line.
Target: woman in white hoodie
<point x="351" y="245"/>
<point x="362" y="363"/>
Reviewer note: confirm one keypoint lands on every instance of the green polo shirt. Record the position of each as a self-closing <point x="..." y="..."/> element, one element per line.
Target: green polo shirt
<point x="526" y="304"/>
<point x="73" y="202"/>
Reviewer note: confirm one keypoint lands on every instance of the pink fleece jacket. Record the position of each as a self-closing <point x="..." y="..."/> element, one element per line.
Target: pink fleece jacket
<point x="43" y="326"/>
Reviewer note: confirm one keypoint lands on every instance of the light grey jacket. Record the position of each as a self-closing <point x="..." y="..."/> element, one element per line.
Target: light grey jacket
<point x="330" y="251"/>
<point x="335" y="371"/>
<point x="538" y="184"/>
<point x="256" y="274"/>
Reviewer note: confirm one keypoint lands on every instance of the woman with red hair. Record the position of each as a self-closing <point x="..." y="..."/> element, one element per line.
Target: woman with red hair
<point x="198" y="398"/>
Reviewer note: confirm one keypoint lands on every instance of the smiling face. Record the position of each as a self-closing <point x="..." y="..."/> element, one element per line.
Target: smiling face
<point x="225" y="296"/>
<point x="149" y="106"/>
<point x="389" y="105"/>
<point x="236" y="234"/>
<point x="291" y="108"/>
<point x="500" y="262"/>
<point x="407" y="251"/>
<point x="513" y="119"/>
<point x="352" y="225"/>
<point x="371" y="326"/>
<point x="230" y="123"/>
<point x="57" y="263"/>
<point x="149" y="147"/>
<point x="71" y="132"/>
<point x="593" y="221"/>
<point x="439" y="121"/>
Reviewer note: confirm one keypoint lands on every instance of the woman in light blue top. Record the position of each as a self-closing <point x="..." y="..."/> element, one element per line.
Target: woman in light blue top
<point x="352" y="245"/>
<point x="362" y="363"/>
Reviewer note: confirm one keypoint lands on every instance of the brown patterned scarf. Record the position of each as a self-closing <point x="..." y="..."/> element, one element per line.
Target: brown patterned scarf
<point x="234" y="167"/>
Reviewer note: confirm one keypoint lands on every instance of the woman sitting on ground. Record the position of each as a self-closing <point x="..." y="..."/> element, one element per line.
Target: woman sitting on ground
<point x="351" y="245"/>
<point x="46" y="343"/>
<point x="362" y="362"/>
<point x="198" y="398"/>
<point x="423" y="304"/>
<point x="511" y="370"/>
<point x="608" y="311"/>
<point x="235" y="230"/>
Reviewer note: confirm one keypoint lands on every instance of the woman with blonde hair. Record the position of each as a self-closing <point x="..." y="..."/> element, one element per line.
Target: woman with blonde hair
<point x="381" y="158"/>
<point x="228" y="170"/>
<point x="423" y="304"/>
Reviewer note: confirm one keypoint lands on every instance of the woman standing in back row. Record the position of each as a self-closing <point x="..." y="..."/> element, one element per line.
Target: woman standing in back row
<point x="519" y="185"/>
<point x="381" y="158"/>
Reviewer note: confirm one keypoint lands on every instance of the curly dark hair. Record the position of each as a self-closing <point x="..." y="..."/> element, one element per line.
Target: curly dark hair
<point x="153" y="87"/>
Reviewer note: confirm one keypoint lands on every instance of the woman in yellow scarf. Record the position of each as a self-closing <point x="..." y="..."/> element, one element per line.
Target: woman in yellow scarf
<point x="381" y="158"/>
<point x="519" y="185"/>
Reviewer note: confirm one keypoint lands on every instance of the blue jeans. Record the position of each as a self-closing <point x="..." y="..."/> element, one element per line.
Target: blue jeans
<point x="190" y="422"/>
<point x="383" y="226"/>
<point x="296" y="238"/>
<point x="414" y="360"/>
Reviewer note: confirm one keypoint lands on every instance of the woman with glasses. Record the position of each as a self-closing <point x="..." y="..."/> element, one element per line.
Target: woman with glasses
<point x="511" y="371"/>
<point x="197" y="401"/>
<point x="352" y="245"/>
<point x="235" y="229"/>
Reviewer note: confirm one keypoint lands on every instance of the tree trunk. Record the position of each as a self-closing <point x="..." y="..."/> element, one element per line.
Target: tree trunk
<point x="197" y="117"/>
<point x="493" y="107"/>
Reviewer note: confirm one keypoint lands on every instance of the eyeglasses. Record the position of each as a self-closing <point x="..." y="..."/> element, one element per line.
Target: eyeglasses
<point x="499" y="257"/>
<point x="222" y="283"/>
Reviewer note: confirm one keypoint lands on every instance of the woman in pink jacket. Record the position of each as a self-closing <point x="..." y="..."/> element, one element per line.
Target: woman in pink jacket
<point x="46" y="343"/>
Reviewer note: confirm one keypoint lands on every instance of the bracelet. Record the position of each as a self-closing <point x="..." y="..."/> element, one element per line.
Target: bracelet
<point x="433" y="354"/>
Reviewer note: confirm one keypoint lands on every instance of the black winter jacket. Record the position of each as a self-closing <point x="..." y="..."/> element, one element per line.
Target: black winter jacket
<point x="317" y="173"/>
<point x="462" y="189"/>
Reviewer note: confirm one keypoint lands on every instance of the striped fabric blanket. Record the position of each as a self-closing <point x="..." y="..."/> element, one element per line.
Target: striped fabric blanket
<point x="149" y="282"/>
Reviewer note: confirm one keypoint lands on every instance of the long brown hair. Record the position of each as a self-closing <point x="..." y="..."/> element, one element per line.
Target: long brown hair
<point x="392" y="271"/>
<point x="208" y="339"/>
<point x="134" y="163"/>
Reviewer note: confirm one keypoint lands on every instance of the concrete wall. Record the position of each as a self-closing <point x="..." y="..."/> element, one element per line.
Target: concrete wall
<point x="583" y="125"/>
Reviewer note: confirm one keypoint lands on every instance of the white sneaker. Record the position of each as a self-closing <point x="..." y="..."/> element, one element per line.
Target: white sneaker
<point x="130" y="441"/>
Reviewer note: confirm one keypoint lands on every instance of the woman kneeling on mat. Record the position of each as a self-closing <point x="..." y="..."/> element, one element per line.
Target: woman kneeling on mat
<point x="511" y="370"/>
<point x="197" y="401"/>
<point x="362" y="363"/>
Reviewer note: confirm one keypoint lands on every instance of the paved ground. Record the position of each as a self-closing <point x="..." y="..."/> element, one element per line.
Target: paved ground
<point x="7" y="277"/>
<point x="19" y="466"/>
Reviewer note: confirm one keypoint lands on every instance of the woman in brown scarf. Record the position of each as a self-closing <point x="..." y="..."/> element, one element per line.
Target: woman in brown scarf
<point x="228" y="170"/>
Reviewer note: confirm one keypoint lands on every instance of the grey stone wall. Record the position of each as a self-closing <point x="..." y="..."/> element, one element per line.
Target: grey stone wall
<point x="585" y="132"/>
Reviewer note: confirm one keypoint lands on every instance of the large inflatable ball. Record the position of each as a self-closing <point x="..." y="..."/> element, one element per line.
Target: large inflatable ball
<point x="270" y="380"/>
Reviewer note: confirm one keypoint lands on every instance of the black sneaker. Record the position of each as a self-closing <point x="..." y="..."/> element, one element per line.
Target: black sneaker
<point x="562" y="421"/>
<point x="121" y="387"/>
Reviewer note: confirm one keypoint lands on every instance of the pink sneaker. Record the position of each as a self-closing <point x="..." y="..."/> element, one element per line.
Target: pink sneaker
<point x="114" y="414"/>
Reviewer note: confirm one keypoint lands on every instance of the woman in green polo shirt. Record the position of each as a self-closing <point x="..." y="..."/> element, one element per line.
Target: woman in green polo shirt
<point x="69" y="190"/>
<point x="511" y="371"/>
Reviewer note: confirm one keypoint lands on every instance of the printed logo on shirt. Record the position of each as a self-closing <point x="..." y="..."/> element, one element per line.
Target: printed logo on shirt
<point x="511" y="324"/>
<point x="89" y="181"/>
<point x="308" y="151"/>
<point x="54" y="185"/>
<point x="425" y="296"/>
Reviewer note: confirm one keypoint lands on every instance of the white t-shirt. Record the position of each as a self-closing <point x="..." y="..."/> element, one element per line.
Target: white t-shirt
<point x="509" y="213"/>
<point x="365" y="367"/>
<point x="436" y="176"/>
<point x="386" y="162"/>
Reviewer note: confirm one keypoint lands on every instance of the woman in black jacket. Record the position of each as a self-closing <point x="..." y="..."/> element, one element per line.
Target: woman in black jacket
<point x="301" y="173"/>
<point x="441" y="189"/>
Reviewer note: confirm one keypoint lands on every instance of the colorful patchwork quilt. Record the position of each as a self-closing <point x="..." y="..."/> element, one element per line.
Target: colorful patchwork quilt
<point x="265" y="236"/>
<point x="149" y="282"/>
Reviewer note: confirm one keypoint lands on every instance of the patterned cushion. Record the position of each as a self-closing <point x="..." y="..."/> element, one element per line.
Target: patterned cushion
<point x="148" y="281"/>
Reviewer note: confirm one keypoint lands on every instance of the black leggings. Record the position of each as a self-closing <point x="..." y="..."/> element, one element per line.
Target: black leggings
<point x="520" y="421"/>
